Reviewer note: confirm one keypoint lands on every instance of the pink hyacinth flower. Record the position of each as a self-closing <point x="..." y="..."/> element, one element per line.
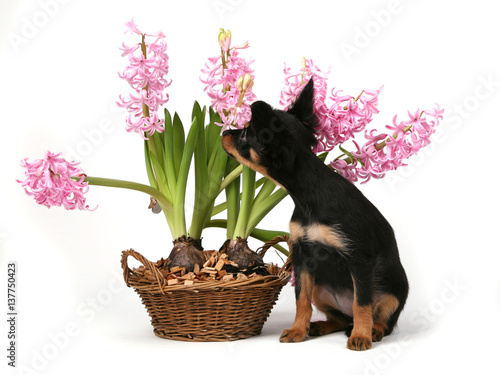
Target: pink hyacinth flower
<point x="146" y="75"/>
<point x="131" y="27"/>
<point x="221" y="75"/>
<point x="383" y="153"/>
<point x="295" y="82"/>
<point x="339" y="116"/>
<point x="53" y="181"/>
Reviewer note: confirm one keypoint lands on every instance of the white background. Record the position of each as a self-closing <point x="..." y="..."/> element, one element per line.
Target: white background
<point x="59" y="66"/>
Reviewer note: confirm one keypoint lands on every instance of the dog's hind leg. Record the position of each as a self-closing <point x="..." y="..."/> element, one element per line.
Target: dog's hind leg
<point x="327" y="303"/>
<point x="385" y="307"/>
<point x="336" y="321"/>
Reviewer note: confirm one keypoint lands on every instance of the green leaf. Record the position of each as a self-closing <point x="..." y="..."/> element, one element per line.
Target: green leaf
<point x="212" y="132"/>
<point x="160" y="175"/>
<point x="266" y="190"/>
<point x="178" y="142"/>
<point x="221" y="207"/>
<point x="158" y="141"/>
<point x="180" y="191"/>
<point x="209" y="172"/>
<point x="149" y="167"/>
<point x="351" y="158"/>
<point x="199" y="113"/>
<point x="168" y="154"/>
<point x="218" y="223"/>
<point x="267" y="235"/>
<point x="323" y="156"/>
<point x="201" y="201"/>
<point x="196" y="111"/>
<point x="217" y="168"/>
<point x="168" y="118"/>
<point x="261" y="210"/>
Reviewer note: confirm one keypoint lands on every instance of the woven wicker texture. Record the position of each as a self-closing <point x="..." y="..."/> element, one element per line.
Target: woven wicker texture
<point x="207" y="311"/>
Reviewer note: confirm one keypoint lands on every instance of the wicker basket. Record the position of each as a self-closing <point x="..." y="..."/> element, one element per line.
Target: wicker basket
<point x="207" y="311"/>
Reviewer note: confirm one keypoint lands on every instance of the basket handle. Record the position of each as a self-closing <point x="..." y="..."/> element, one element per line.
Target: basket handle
<point x="150" y="266"/>
<point x="288" y="263"/>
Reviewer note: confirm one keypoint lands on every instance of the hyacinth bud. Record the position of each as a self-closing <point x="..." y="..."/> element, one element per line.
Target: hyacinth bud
<point x="222" y="37"/>
<point x="244" y="84"/>
<point x="303" y="63"/>
<point x="247" y="82"/>
<point x="239" y="84"/>
<point x="224" y="40"/>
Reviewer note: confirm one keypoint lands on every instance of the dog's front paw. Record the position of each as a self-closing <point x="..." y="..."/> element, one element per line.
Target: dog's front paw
<point x="293" y="335"/>
<point x="359" y="343"/>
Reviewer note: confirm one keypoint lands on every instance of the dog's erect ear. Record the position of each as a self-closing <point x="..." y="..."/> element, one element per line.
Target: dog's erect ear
<point x="262" y="113"/>
<point x="269" y="129"/>
<point x="265" y="123"/>
<point x="303" y="107"/>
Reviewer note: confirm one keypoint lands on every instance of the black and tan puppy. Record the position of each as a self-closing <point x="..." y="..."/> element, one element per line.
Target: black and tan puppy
<point x="344" y="255"/>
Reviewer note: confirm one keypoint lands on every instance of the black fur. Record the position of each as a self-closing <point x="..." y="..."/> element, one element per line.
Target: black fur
<point x="281" y="142"/>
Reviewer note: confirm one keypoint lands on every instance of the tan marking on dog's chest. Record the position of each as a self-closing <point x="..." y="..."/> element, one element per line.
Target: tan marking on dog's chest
<point x="326" y="234"/>
<point x="296" y="231"/>
<point x="318" y="233"/>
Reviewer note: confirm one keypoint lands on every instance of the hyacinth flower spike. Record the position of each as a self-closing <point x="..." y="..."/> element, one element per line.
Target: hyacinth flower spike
<point x="54" y="181"/>
<point x="229" y="81"/>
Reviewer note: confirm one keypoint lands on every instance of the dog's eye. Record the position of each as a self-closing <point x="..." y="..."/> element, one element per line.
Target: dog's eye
<point x="243" y="135"/>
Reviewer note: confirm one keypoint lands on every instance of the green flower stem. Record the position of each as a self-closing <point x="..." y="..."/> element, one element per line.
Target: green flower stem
<point x="247" y="197"/>
<point x="266" y="190"/>
<point x="268" y="235"/>
<point x="217" y="223"/>
<point x="219" y="208"/>
<point x="160" y="197"/>
<point x="260" y="210"/>
<point x="231" y="177"/>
